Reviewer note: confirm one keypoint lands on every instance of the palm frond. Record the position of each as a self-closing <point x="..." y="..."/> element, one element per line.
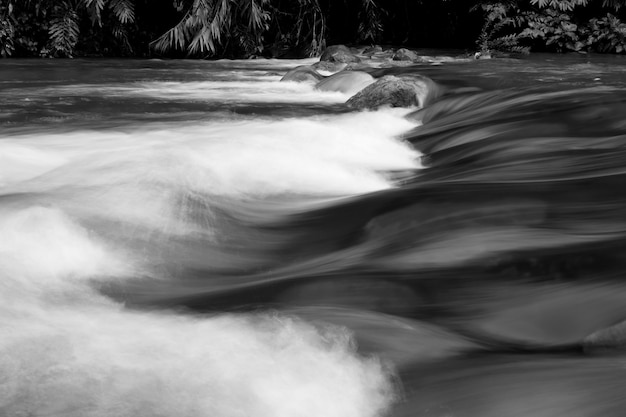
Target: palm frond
<point x="201" y="30"/>
<point x="175" y="38"/>
<point x="94" y="8"/>
<point x="124" y="10"/>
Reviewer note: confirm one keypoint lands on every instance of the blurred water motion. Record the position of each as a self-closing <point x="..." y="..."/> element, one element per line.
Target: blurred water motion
<point x="198" y="239"/>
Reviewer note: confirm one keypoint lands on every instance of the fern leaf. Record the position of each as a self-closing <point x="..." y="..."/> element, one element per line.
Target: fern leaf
<point x="64" y="30"/>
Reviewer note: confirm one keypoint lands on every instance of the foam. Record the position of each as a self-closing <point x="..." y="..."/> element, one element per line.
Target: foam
<point x="66" y="350"/>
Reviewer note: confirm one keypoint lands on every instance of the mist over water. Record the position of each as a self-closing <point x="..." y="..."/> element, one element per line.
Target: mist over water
<point x="200" y="239"/>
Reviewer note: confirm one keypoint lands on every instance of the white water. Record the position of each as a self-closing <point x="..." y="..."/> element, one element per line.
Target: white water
<point x="267" y="91"/>
<point x="66" y="350"/>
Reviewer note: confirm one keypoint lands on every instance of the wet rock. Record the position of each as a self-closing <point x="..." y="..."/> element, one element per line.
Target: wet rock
<point x="395" y="91"/>
<point x="482" y="55"/>
<point x="371" y="50"/>
<point x="404" y="54"/>
<point x="606" y="340"/>
<point x="328" y="66"/>
<point x="339" y="53"/>
<point x="358" y="66"/>
<point x="303" y="73"/>
<point x="348" y="82"/>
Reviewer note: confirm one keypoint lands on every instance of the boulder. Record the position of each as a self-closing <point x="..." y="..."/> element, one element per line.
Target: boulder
<point x="404" y="54"/>
<point x="407" y="91"/>
<point x="303" y="73"/>
<point x="348" y="82"/>
<point x="339" y="53"/>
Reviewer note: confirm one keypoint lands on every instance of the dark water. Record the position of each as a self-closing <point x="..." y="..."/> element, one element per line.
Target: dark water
<point x="199" y="239"/>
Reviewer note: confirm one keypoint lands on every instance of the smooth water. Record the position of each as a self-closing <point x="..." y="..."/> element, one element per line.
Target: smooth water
<point x="193" y="238"/>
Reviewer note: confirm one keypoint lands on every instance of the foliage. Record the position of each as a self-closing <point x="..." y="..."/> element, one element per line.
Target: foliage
<point x="563" y="5"/>
<point x="52" y="28"/>
<point x="497" y="20"/>
<point x="63" y="30"/>
<point x="210" y="27"/>
<point x="607" y="34"/>
<point x="370" y="25"/>
<point x="299" y="25"/>
<point x="7" y="30"/>
<point x="553" y="25"/>
<point x="249" y="28"/>
<point x="555" y="30"/>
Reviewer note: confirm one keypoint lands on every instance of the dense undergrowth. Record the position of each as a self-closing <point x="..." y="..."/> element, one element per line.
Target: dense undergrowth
<point x="553" y="26"/>
<point x="298" y="28"/>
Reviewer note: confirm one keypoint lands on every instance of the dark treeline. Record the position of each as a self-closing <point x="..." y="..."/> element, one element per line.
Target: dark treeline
<point x="298" y="28"/>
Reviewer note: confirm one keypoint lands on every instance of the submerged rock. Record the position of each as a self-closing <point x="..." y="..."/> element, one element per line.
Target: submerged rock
<point x="395" y="91"/>
<point x="607" y="340"/>
<point x="358" y="66"/>
<point x="303" y="73"/>
<point x="348" y="82"/>
<point x="404" y="54"/>
<point x="339" y="53"/>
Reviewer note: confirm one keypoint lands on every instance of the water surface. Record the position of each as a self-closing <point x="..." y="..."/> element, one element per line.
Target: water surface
<point x="197" y="238"/>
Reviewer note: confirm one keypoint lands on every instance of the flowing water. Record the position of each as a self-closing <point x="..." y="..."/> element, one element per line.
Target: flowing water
<point x="193" y="238"/>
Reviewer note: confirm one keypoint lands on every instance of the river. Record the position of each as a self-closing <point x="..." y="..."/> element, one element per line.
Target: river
<point x="197" y="238"/>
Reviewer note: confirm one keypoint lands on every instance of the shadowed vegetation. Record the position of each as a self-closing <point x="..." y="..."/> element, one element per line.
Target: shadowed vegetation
<point x="298" y="28"/>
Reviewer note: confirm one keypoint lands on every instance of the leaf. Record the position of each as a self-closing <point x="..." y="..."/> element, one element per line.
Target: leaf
<point x="94" y="9"/>
<point x="64" y="30"/>
<point x="124" y="10"/>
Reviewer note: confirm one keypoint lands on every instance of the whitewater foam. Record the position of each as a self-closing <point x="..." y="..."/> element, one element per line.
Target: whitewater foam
<point x="69" y="351"/>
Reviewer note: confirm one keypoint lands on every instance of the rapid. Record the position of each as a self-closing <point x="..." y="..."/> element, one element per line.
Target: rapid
<point x="198" y="238"/>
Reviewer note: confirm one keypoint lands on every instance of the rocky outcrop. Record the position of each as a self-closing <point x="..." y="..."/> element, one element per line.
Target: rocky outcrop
<point x="303" y="73"/>
<point x="407" y="91"/>
<point x="348" y="82"/>
<point x="339" y="53"/>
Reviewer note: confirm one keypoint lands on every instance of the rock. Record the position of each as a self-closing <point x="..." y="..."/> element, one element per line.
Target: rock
<point x="482" y="55"/>
<point x="348" y="82"/>
<point x="606" y="340"/>
<point x="371" y="50"/>
<point x="303" y="73"/>
<point x="328" y="66"/>
<point x="404" y="54"/>
<point x="414" y="90"/>
<point x="357" y="66"/>
<point x="339" y="53"/>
